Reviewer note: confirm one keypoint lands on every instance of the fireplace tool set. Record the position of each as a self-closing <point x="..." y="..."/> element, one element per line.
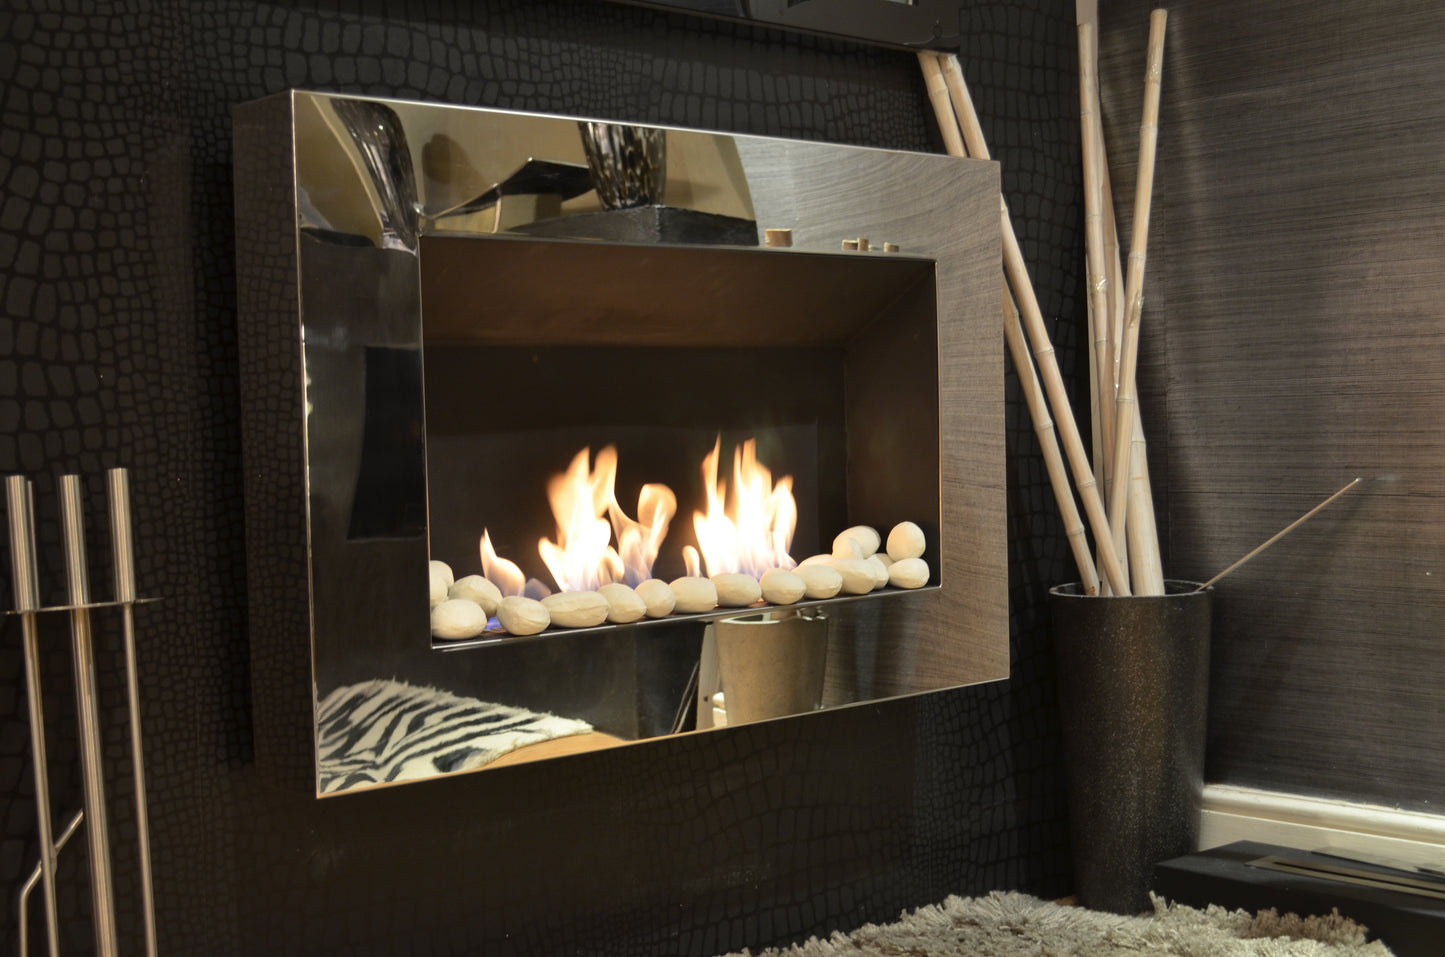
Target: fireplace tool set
<point x="78" y="607"/>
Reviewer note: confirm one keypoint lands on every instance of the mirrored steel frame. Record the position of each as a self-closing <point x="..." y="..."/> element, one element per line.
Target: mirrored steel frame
<point x="436" y="300"/>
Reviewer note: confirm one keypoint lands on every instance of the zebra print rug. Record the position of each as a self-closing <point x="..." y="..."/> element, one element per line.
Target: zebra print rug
<point x="380" y="732"/>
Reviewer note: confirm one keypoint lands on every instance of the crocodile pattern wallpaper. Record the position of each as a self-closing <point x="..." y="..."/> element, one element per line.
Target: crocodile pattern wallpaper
<point x="118" y="347"/>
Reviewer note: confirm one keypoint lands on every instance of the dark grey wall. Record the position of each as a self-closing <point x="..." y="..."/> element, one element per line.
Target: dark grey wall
<point x="117" y="347"/>
<point x="1295" y="339"/>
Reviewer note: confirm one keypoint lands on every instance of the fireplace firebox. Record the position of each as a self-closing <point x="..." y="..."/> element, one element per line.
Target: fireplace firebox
<point x="442" y="307"/>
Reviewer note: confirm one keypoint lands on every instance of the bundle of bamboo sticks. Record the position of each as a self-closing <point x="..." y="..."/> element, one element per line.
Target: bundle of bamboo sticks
<point x="1114" y="488"/>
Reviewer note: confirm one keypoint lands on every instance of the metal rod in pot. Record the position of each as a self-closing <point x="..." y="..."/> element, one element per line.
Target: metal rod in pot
<point x="29" y="887"/>
<point x="118" y="489"/>
<point x="88" y="711"/>
<point x="20" y="504"/>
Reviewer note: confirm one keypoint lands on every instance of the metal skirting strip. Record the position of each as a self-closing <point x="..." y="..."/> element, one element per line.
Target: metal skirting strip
<point x="1421" y="886"/>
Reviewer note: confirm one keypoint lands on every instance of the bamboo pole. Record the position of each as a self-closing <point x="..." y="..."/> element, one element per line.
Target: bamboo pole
<point x="1114" y="270"/>
<point x="1114" y="265"/>
<point x="1048" y="441"/>
<point x="1100" y="315"/>
<point x="1146" y="569"/>
<point x="963" y="109"/>
<point x="1141" y="556"/>
<point x="1110" y="325"/>
<point x="1087" y="12"/>
<point x="1095" y="429"/>
<point x="1029" y="383"/>
<point x="938" y="96"/>
<point x="1033" y="323"/>
<point x="1138" y="246"/>
<point x="1053" y="380"/>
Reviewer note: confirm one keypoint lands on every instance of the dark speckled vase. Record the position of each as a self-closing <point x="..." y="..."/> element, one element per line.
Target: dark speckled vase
<point x="628" y="163"/>
<point x="1133" y="678"/>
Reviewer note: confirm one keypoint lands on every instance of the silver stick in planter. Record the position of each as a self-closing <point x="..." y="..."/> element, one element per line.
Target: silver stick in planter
<point x="20" y="500"/>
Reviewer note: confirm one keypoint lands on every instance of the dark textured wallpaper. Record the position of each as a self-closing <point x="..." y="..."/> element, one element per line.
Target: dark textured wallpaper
<point x="1294" y="273"/>
<point x="117" y="347"/>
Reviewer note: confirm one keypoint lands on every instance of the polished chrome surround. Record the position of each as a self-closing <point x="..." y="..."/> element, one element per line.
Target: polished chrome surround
<point x="351" y="213"/>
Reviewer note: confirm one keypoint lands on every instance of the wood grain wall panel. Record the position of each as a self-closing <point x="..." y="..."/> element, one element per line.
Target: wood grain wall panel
<point x="1293" y="339"/>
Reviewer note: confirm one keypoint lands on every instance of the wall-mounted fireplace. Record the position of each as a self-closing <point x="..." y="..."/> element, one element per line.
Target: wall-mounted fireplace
<point x="444" y="308"/>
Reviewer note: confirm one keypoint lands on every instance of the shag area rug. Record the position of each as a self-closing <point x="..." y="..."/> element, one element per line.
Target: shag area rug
<point x="1008" y="924"/>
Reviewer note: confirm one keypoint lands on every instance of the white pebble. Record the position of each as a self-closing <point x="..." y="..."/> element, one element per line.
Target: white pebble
<point x="523" y="616"/>
<point x="879" y="569"/>
<point x="864" y="535"/>
<point x="576" y="609"/>
<point x="458" y="618"/>
<point x="694" y="594"/>
<point x="623" y="604"/>
<point x="782" y="587"/>
<point x="857" y="575"/>
<point x="908" y="573"/>
<point x="441" y="580"/>
<point x="443" y="569"/>
<point x="657" y="595"/>
<point x="905" y="541"/>
<point x="820" y="559"/>
<point x="735" y="590"/>
<point x="478" y="589"/>
<point x="820" y="581"/>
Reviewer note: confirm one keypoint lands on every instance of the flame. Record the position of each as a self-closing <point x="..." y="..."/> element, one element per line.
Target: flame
<point x="751" y="534"/>
<point x="756" y="531"/>
<point x="499" y="571"/>
<point x="583" y="558"/>
<point x="639" y="541"/>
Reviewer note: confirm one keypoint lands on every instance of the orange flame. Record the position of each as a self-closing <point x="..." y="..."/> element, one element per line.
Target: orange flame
<point x="749" y="532"/>
<point x="582" y="559"/>
<point x="756" y="531"/>
<point x="499" y="571"/>
<point x="640" y="541"/>
<point x="691" y="561"/>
